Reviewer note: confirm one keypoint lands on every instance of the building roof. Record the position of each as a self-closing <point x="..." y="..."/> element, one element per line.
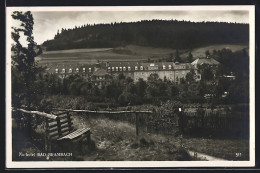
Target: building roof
<point x="100" y="72"/>
<point x="209" y="61"/>
<point x="51" y="68"/>
<point x="160" y="65"/>
<point x="111" y="67"/>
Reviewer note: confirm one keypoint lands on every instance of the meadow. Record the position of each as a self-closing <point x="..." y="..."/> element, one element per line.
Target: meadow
<point x="128" y="53"/>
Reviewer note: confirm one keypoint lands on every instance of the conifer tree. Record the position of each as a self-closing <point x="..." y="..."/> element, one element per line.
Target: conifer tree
<point x="24" y="67"/>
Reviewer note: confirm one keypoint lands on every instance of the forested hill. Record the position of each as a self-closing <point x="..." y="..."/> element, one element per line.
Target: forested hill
<point x="155" y="33"/>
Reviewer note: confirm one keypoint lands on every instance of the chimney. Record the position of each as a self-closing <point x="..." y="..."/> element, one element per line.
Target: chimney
<point x="97" y="66"/>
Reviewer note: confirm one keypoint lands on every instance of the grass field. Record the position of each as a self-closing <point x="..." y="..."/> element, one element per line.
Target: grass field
<point x="200" y="52"/>
<point x="116" y="140"/>
<point x="128" y="53"/>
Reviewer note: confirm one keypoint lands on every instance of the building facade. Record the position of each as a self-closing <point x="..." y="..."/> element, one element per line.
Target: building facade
<point x="100" y="72"/>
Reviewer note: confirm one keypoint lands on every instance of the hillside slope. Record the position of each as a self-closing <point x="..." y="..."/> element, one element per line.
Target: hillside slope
<point x="155" y="33"/>
<point x="127" y="53"/>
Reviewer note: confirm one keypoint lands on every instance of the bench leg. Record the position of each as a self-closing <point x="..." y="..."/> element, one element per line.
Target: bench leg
<point x="88" y="138"/>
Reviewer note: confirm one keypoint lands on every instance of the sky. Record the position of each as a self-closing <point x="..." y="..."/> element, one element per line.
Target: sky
<point x="47" y="23"/>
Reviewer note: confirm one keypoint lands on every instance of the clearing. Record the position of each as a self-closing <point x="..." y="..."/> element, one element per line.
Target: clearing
<point x="128" y="53"/>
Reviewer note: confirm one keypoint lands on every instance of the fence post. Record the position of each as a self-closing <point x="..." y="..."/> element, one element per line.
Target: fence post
<point x="136" y="124"/>
<point x="181" y="119"/>
<point x="59" y="126"/>
<point x="69" y="121"/>
<point x="46" y="135"/>
<point x="29" y="127"/>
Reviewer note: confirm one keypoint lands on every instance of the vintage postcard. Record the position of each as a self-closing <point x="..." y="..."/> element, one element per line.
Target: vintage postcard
<point x="139" y="86"/>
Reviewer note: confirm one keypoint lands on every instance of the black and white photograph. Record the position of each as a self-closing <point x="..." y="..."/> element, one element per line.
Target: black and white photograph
<point x="121" y="86"/>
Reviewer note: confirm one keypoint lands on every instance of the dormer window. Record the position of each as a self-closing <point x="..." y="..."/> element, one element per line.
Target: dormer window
<point x="63" y="70"/>
<point x="124" y="68"/>
<point x="170" y="66"/>
<point x="116" y="68"/>
<point x="89" y="69"/>
<point x="141" y="67"/>
<point x="164" y="67"/>
<point x="70" y="70"/>
<point x="136" y="68"/>
<point x="84" y="70"/>
<point x="120" y="68"/>
<point x="77" y="70"/>
<point x="129" y="68"/>
<point x="57" y="70"/>
<point x="108" y="68"/>
<point x="113" y="68"/>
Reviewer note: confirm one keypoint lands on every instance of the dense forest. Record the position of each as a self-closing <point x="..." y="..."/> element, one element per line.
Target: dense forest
<point x="156" y="33"/>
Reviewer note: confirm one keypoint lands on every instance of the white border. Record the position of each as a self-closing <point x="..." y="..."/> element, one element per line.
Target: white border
<point x="91" y="164"/>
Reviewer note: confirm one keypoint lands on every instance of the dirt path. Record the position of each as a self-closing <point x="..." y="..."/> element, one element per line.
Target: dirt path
<point x="202" y="156"/>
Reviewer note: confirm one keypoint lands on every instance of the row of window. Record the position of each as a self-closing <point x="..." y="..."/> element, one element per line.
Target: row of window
<point x="71" y="70"/>
<point x="176" y="72"/>
<point x="122" y="68"/>
<point x="136" y="68"/>
<point x="109" y="69"/>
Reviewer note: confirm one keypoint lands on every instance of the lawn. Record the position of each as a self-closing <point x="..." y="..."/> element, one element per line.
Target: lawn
<point x="119" y="138"/>
<point x="200" y="52"/>
<point x="116" y="141"/>
<point x="128" y="53"/>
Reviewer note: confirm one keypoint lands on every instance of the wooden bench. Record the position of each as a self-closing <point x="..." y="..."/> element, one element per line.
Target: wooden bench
<point x="61" y="129"/>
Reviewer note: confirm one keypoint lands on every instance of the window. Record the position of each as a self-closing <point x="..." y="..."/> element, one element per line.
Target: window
<point x="89" y="69"/>
<point x="100" y="77"/>
<point x="84" y="70"/>
<point x="176" y="72"/>
<point x="116" y="68"/>
<point x="183" y="72"/>
<point x="120" y="68"/>
<point x="77" y="70"/>
<point x="63" y="70"/>
<point x="124" y="68"/>
<point x="108" y="68"/>
<point x="70" y="70"/>
<point x="129" y="68"/>
<point x="199" y="77"/>
<point x="57" y="70"/>
<point x="164" y="67"/>
<point x="141" y="67"/>
<point x="136" y="68"/>
<point x="170" y="67"/>
<point x="113" y="68"/>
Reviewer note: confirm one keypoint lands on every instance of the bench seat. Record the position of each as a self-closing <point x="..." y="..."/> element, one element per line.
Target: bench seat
<point x="76" y="134"/>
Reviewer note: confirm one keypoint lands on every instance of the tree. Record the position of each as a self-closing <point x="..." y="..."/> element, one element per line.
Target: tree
<point x="153" y="77"/>
<point x="177" y="56"/>
<point x="189" y="58"/>
<point x="190" y="76"/>
<point x="24" y="67"/>
<point x="207" y="74"/>
<point x="170" y="58"/>
<point x="207" y="53"/>
<point x="141" y="87"/>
